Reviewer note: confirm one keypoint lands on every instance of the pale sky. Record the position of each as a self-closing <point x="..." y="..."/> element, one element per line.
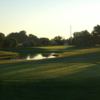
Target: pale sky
<point x="49" y="18"/>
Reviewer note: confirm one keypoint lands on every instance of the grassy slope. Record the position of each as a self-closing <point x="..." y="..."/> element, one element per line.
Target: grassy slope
<point x="5" y="54"/>
<point x="73" y="76"/>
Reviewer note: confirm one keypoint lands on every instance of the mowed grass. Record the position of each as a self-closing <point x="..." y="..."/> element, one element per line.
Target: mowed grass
<point x="34" y="50"/>
<point x="7" y="55"/>
<point x="74" y="75"/>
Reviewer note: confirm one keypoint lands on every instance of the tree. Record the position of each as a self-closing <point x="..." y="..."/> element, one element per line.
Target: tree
<point x="83" y="39"/>
<point x="33" y="40"/>
<point x="70" y="41"/>
<point x="96" y="34"/>
<point x="20" y="37"/>
<point x="44" y="41"/>
<point x="58" y="40"/>
<point x="10" y="43"/>
<point x="2" y="37"/>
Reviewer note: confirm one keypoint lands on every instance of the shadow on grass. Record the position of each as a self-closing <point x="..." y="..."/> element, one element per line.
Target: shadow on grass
<point x="54" y="89"/>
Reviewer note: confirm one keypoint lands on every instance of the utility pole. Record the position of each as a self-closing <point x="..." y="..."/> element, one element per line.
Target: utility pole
<point x="70" y="31"/>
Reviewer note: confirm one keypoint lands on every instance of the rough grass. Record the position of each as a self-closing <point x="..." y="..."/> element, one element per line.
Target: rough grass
<point x="75" y="75"/>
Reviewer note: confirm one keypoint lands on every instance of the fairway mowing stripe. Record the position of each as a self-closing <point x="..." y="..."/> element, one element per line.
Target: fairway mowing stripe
<point x="41" y="74"/>
<point x="75" y="53"/>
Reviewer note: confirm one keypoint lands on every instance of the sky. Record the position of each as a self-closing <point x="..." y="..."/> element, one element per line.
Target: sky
<point x="49" y="18"/>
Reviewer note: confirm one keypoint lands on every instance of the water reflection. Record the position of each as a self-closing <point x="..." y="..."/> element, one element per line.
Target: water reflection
<point x="52" y="55"/>
<point x="37" y="57"/>
<point x="40" y="56"/>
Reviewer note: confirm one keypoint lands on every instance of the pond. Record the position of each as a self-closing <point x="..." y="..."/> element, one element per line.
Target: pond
<point x="39" y="56"/>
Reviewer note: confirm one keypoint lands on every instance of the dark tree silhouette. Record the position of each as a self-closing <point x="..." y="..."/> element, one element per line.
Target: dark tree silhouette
<point x="96" y="34"/>
<point x="58" y="40"/>
<point x="2" y="37"/>
<point x="82" y="39"/>
<point x="44" y="41"/>
<point x="10" y="43"/>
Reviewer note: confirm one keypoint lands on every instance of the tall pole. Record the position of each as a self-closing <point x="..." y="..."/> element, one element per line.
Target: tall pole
<point x="70" y="31"/>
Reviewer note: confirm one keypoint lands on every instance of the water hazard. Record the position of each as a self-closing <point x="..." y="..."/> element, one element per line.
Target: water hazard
<point x="40" y="56"/>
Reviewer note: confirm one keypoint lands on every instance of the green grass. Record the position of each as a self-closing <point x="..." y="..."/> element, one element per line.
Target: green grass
<point x="34" y="50"/>
<point x="74" y="75"/>
<point x="7" y="55"/>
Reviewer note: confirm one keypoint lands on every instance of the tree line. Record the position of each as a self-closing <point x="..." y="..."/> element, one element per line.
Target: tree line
<point x="21" y="39"/>
<point x="79" y="39"/>
<point x="85" y="39"/>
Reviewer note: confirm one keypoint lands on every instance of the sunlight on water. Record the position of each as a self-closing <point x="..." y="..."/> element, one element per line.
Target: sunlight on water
<point x="51" y="55"/>
<point x="39" y="57"/>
